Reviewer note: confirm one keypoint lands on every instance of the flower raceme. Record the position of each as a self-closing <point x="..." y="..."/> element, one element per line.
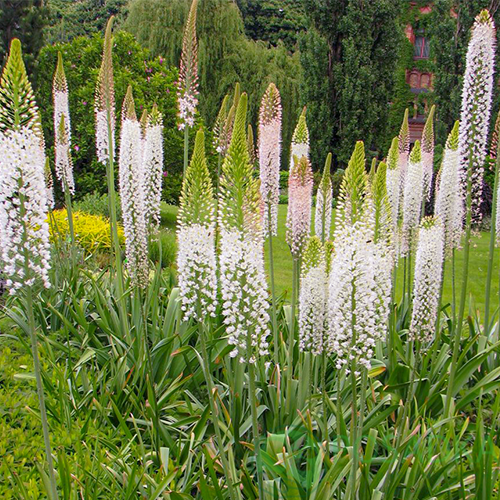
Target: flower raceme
<point x="187" y="86"/>
<point x="105" y="102"/>
<point x="132" y="195"/>
<point x="476" y="107"/>
<point x="300" y="139"/>
<point x="354" y="203"/>
<point x="196" y="258"/>
<point x="243" y="282"/>
<point x="153" y="167"/>
<point x="359" y="293"/>
<point x="324" y="195"/>
<point x="393" y="186"/>
<point x="403" y="152"/>
<point x="383" y="228"/>
<point x="427" y="283"/>
<point x="313" y="298"/>
<point x="428" y="152"/>
<point x="359" y="282"/>
<point x="62" y="128"/>
<point x="493" y="155"/>
<point x="24" y="232"/>
<point x="450" y="202"/>
<point x="413" y="198"/>
<point x="49" y="184"/>
<point x="269" y="156"/>
<point x="298" y="219"/>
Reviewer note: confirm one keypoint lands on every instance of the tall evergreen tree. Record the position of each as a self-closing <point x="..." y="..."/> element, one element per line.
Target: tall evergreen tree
<point x="347" y="86"/>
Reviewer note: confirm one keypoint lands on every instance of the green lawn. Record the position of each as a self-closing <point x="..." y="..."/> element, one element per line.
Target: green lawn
<point x="477" y="269"/>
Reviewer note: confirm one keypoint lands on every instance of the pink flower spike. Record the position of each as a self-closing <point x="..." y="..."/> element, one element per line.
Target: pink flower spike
<point x="298" y="220"/>
<point x="269" y="157"/>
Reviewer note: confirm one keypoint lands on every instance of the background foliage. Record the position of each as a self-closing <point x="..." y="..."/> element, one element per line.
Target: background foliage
<point x="226" y="55"/>
<point x="152" y="82"/>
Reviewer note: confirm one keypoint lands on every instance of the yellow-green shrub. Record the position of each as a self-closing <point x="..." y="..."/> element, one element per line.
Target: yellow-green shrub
<point x="92" y="232"/>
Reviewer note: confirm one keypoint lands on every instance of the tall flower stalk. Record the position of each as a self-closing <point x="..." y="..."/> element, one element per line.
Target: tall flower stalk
<point x="403" y="153"/>
<point x="382" y="231"/>
<point x="449" y="206"/>
<point x="495" y="223"/>
<point x="269" y="157"/>
<point x="393" y="186"/>
<point x="153" y="168"/>
<point x="359" y="290"/>
<point x="24" y="231"/>
<point x="62" y="141"/>
<point x="300" y="139"/>
<point x="298" y="219"/>
<point x="313" y="296"/>
<point x="298" y="227"/>
<point x="243" y="282"/>
<point x="105" y="138"/>
<point x="187" y="86"/>
<point x="196" y="261"/>
<point x="427" y="283"/>
<point x="324" y="196"/>
<point x="132" y="194"/>
<point x="219" y="135"/>
<point x="472" y="143"/>
<point x="269" y="150"/>
<point x="62" y="128"/>
<point x="428" y="154"/>
<point x="413" y="198"/>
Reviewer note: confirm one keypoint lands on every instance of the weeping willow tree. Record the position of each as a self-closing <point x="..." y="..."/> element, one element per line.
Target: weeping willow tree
<point x="226" y="55"/>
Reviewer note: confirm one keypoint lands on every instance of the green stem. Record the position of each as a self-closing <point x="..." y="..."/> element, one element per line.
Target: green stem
<point x="392" y="322"/>
<point x="219" y="163"/>
<point x="273" y="289"/>
<point x="440" y="303"/>
<point x="214" y="409"/>
<point x="34" y="347"/>
<point x="362" y="401"/>
<point x="491" y="251"/>
<point x="324" y="360"/>
<point x="404" y="279"/>
<point x="110" y="175"/>
<point x="408" y="275"/>
<point x="463" y="297"/>
<point x="354" y="407"/>
<point x="255" y="426"/>
<point x="186" y="148"/>
<point x="354" y="430"/>
<point x="292" y="334"/>
<point x="69" y="211"/>
<point x="39" y="386"/>
<point x="339" y="410"/>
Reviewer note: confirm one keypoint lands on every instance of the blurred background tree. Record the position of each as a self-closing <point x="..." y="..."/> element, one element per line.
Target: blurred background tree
<point x="25" y="20"/>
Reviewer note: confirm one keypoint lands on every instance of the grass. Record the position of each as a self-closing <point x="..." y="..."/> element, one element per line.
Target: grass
<point x="477" y="274"/>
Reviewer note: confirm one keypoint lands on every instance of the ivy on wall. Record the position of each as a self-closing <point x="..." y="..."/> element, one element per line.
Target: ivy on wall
<point x="403" y="97"/>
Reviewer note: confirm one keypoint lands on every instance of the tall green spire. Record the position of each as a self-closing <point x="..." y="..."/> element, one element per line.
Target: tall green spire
<point x="197" y="199"/>
<point x="17" y="100"/>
